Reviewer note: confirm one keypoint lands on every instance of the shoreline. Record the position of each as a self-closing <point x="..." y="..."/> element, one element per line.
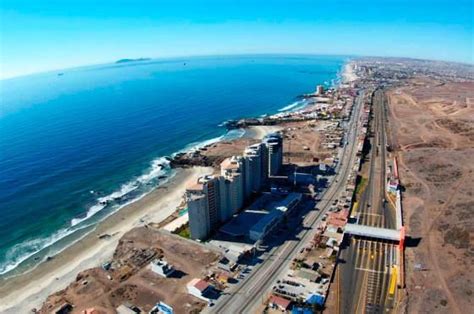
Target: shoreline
<point x="29" y="290"/>
<point x="348" y="74"/>
<point x="90" y="251"/>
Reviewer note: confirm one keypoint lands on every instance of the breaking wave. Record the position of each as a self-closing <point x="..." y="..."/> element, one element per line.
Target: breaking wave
<point x="297" y="105"/>
<point x="128" y="193"/>
<point x="230" y="135"/>
<point x="290" y="106"/>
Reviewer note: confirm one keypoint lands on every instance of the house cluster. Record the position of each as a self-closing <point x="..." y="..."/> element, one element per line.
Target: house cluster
<point x="305" y="285"/>
<point x="323" y="105"/>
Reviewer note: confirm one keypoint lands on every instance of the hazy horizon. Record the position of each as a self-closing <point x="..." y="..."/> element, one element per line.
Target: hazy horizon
<point x="48" y="36"/>
<point x="197" y="56"/>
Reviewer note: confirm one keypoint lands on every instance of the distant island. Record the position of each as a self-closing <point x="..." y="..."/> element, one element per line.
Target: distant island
<point x="132" y="60"/>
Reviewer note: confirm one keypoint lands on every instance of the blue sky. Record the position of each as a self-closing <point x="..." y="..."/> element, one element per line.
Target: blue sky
<point x="41" y="35"/>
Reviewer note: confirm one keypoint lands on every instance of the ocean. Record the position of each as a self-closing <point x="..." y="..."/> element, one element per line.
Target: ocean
<point x="76" y="147"/>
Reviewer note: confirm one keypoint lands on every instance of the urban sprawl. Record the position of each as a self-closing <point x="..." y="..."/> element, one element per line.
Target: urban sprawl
<point x="304" y="218"/>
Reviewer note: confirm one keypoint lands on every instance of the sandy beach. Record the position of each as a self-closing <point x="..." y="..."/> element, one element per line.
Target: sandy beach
<point x="348" y="74"/>
<point x="25" y="292"/>
<point x="258" y="132"/>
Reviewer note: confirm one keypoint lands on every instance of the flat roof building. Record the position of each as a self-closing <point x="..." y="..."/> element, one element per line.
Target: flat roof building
<point x="279" y="302"/>
<point x="231" y="187"/>
<point x="276" y="212"/>
<point x="274" y="145"/>
<point x="253" y="168"/>
<point x="162" y="268"/>
<point x="201" y="289"/>
<point x="202" y="197"/>
<point x="265" y="225"/>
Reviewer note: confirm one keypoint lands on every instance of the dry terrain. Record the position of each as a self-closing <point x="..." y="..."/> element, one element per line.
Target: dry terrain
<point x="431" y="127"/>
<point x="131" y="281"/>
<point x="304" y="144"/>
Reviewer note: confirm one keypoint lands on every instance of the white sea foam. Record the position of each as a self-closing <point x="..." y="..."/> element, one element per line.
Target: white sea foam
<point x="290" y="106"/>
<point x="159" y="167"/>
<point x="91" y="212"/>
<point x="22" y="251"/>
<point x="295" y="106"/>
<point x="230" y="135"/>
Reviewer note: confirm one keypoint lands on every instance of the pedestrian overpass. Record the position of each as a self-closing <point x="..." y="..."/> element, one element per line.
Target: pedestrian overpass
<point x="374" y="232"/>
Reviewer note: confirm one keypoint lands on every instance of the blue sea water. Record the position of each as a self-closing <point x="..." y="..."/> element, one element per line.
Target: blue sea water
<point x="76" y="147"/>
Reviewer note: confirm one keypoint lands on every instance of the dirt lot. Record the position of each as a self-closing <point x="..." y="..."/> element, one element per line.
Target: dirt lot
<point x="131" y="281"/>
<point x="432" y="131"/>
<point x="222" y="150"/>
<point x="303" y="143"/>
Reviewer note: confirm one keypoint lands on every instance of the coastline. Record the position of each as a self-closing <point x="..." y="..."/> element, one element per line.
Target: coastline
<point x="49" y="277"/>
<point x="29" y="290"/>
<point x="348" y="73"/>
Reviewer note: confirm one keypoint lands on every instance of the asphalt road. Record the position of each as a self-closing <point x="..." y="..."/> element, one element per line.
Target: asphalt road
<point x="251" y="293"/>
<point x="365" y="272"/>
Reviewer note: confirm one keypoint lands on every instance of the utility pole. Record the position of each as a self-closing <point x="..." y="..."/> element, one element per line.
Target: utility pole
<point x="294" y="177"/>
<point x="289" y="150"/>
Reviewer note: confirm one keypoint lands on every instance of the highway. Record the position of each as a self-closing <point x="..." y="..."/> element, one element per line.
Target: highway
<point x="249" y="295"/>
<point x="368" y="266"/>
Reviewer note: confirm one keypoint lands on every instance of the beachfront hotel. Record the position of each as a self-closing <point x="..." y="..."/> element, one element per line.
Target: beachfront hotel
<point x="212" y="200"/>
<point x="274" y="146"/>
<point x="232" y="186"/>
<point x="202" y="198"/>
<point x="254" y="173"/>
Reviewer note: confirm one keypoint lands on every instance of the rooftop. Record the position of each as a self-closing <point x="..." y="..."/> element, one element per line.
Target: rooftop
<point x="231" y="163"/>
<point x="198" y="184"/>
<point x="177" y="223"/>
<point x="373" y="232"/>
<point x="284" y="303"/>
<point x="262" y="223"/>
<point x="199" y="284"/>
<point x="241" y="224"/>
<point x="194" y="186"/>
<point x="252" y="150"/>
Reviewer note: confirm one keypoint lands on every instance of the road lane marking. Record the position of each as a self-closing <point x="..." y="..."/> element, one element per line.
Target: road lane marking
<point x="393" y="281"/>
<point x="371" y="270"/>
